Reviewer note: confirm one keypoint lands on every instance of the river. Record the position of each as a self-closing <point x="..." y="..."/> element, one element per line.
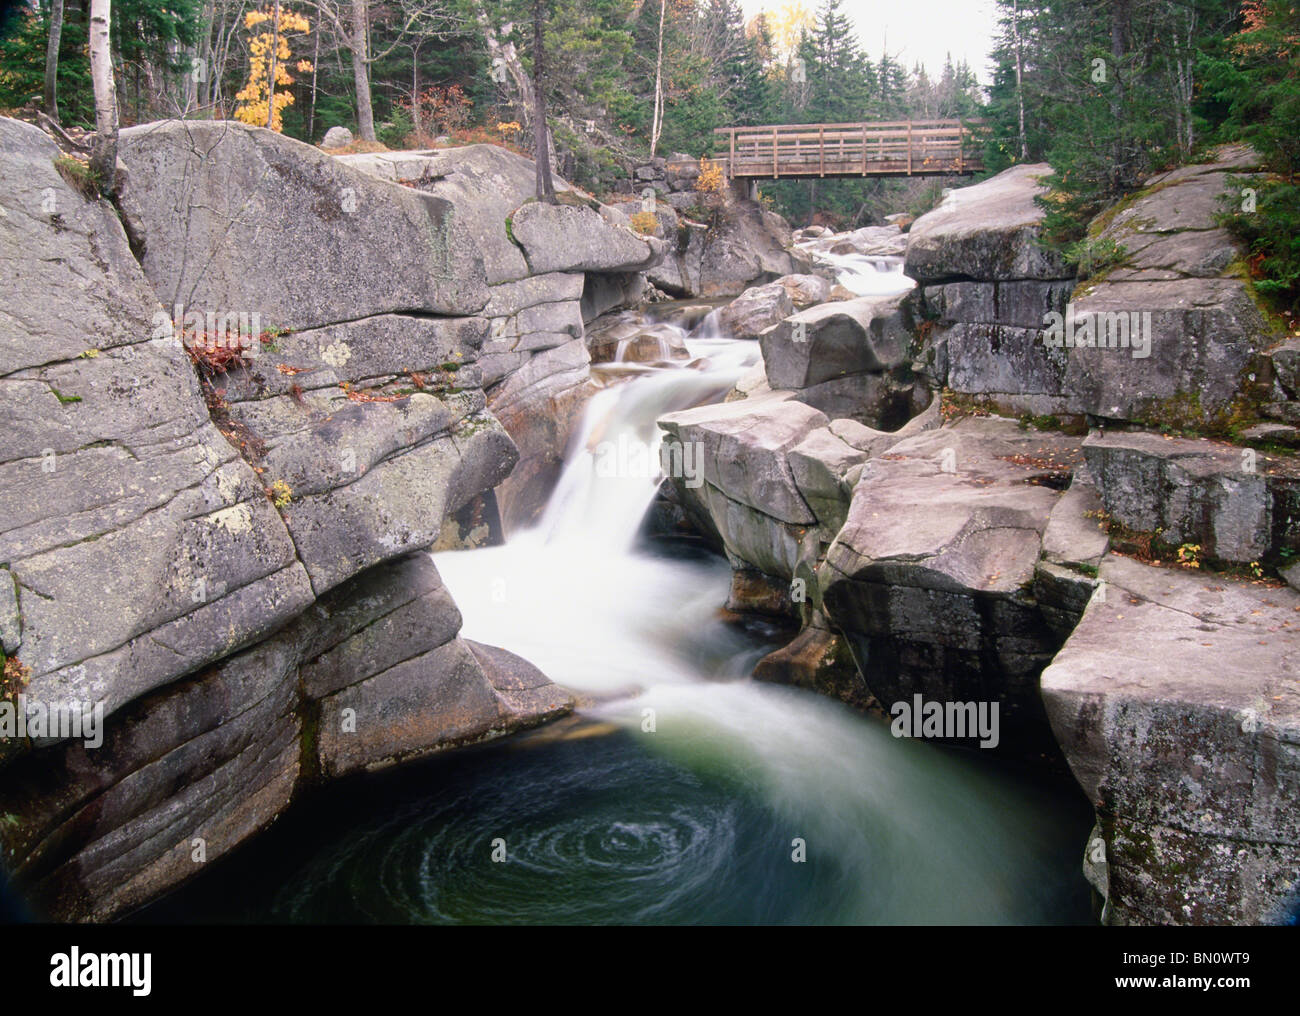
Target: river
<point x="682" y="791"/>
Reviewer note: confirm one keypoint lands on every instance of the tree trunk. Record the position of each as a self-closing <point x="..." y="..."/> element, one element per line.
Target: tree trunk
<point x="504" y="56"/>
<point x="103" y="159"/>
<point x="271" y="68"/>
<point x="416" y="127"/>
<point x="1020" y="87"/>
<point x="658" y="124"/>
<point x="311" y="113"/>
<point x="52" y="60"/>
<point x="361" y="70"/>
<point x="1119" y="33"/>
<point x="541" y="139"/>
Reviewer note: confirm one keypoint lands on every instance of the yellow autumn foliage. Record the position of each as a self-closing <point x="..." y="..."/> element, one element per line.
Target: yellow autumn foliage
<point x="253" y="98"/>
<point x="645" y="223"/>
<point x="711" y="179"/>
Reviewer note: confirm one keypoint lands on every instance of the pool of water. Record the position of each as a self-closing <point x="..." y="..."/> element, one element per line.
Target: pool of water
<point x="682" y="791"/>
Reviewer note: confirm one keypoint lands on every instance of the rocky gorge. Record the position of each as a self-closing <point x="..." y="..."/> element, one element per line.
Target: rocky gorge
<point x="999" y="543"/>
<point x="229" y="555"/>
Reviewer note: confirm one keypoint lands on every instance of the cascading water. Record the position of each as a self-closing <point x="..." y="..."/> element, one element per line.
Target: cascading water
<point x="866" y="274"/>
<point x="686" y="790"/>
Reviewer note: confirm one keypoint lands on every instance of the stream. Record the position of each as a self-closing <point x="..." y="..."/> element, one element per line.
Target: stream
<point x="682" y="791"/>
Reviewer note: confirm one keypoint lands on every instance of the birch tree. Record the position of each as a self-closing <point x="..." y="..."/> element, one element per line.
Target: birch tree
<point x="103" y="159"/>
<point x="52" y="59"/>
<point x="541" y="133"/>
<point x="657" y="124"/>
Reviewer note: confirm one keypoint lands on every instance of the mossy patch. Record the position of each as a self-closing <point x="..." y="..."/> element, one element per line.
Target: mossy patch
<point x="1106" y="219"/>
<point x="78" y="175"/>
<point x="1276" y="324"/>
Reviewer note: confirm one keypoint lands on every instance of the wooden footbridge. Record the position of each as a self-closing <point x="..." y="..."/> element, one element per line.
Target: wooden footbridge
<point x="905" y="148"/>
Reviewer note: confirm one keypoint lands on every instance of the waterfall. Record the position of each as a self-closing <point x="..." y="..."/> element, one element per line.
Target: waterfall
<point x="867" y="275"/>
<point x="918" y="833"/>
<point x="683" y="791"/>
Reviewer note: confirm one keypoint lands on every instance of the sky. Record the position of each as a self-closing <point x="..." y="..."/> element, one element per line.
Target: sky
<point x="918" y="30"/>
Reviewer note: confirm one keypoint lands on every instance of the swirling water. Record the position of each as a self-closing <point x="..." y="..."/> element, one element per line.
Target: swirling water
<point x="683" y="791"/>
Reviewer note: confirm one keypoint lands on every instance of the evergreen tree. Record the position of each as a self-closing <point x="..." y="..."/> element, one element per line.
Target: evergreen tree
<point x="1256" y="81"/>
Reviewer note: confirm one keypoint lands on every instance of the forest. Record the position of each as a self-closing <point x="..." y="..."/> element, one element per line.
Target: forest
<point x="1107" y="92"/>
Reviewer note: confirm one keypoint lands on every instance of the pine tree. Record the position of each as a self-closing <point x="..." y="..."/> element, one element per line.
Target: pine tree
<point x="1257" y="82"/>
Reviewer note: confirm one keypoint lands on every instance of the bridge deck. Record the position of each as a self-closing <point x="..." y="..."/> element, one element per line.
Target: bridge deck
<point x="906" y="148"/>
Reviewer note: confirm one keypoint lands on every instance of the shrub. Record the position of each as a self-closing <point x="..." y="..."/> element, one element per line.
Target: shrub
<point x="397" y="130"/>
<point x="1093" y="255"/>
<point x="710" y="180"/>
<point x="13" y="676"/>
<point x="1272" y="232"/>
<point x="645" y="223"/>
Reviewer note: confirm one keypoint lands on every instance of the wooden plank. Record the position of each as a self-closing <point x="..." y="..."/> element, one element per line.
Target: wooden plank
<point x="927" y="147"/>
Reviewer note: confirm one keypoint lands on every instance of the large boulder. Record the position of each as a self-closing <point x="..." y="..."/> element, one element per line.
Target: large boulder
<point x="986" y="231"/>
<point x="560" y="238"/>
<point x="1198" y="340"/>
<point x="746" y="490"/>
<point x="746" y="246"/>
<point x="776" y="481"/>
<point x="754" y="311"/>
<point x="337" y="137"/>
<point x="141" y="545"/>
<point x="1176" y="703"/>
<point x="1235" y="504"/>
<point x="806" y="290"/>
<point x="210" y="540"/>
<point x="867" y="335"/>
<point x="1167" y="334"/>
<point x="931" y="577"/>
<point x="248" y="198"/>
<point x="550" y="270"/>
<point x="1177" y="282"/>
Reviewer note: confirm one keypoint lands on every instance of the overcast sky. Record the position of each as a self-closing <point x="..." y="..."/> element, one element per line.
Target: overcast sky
<point x="918" y="30"/>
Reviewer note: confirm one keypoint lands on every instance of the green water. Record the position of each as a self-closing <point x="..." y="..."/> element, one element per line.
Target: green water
<point x="685" y="792"/>
<point x="603" y="829"/>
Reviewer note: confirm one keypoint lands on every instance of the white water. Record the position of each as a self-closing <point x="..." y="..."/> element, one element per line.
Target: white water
<point x="914" y="833"/>
<point x="866" y="275"/>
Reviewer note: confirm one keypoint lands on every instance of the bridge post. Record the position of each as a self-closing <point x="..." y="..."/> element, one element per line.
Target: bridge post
<point x="745" y="189"/>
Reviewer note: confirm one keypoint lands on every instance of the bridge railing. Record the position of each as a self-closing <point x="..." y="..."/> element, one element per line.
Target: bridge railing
<point x="903" y="148"/>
